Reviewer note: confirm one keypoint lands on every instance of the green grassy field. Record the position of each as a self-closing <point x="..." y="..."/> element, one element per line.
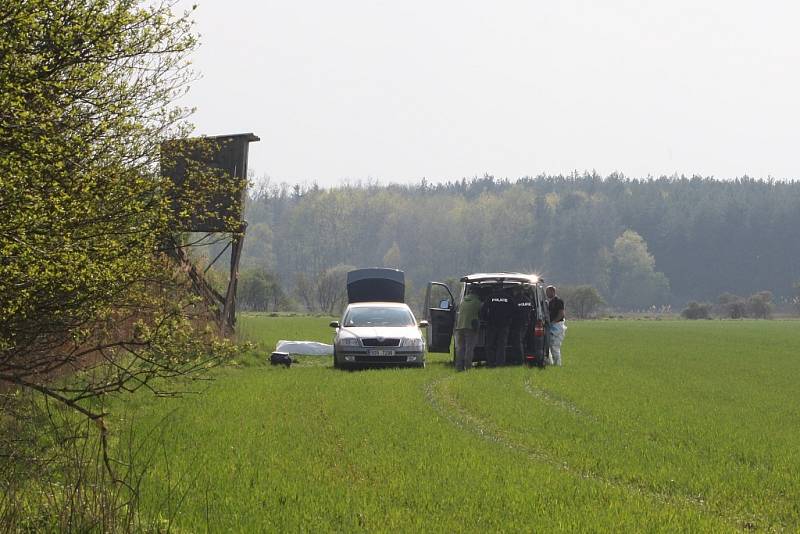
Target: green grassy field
<point x="650" y="425"/>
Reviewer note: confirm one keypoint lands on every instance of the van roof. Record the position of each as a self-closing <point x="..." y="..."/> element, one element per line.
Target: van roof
<point x="502" y="277"/>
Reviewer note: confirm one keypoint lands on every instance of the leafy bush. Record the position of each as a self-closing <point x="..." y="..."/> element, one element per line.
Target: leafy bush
<point x="732" y="306"/>
<point x="88" y="93"/>
<point x="697" y="310"/>
<point x="759" y="305"/>
<point x="583" y="301"/>
<point x="260" y="290"/>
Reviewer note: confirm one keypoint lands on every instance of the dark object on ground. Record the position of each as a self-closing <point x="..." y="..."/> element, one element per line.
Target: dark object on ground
<point x="281" y="358"/>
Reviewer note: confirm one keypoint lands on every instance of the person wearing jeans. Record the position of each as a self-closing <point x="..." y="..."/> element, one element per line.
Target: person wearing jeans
<point x="558" y="327"/>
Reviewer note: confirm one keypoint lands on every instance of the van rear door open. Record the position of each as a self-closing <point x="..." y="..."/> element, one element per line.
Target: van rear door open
<point x="440" y="313"/>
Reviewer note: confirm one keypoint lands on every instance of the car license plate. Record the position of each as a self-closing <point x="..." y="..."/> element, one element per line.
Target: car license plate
<point x="381" y="353"/>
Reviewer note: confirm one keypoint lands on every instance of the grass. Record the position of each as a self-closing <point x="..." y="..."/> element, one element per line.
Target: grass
<point x="650" y="425"/>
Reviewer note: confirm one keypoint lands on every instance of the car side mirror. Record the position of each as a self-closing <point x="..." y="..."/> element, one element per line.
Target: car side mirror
<point x="334" y="324"/>
<point x="423" y="324"/>
<point x="444" y="304"/>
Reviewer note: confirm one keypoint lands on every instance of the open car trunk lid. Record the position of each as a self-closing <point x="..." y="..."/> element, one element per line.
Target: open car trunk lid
<point x="376" y="285"/>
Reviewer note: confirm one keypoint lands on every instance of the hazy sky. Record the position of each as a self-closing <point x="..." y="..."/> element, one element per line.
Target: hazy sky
<point x="397" y="91"/>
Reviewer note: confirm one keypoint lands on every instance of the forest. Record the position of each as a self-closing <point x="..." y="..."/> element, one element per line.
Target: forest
<point x="639" y="242"/>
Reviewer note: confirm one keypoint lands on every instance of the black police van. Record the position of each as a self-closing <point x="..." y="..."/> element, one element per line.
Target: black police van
<point x="441" y="308"/>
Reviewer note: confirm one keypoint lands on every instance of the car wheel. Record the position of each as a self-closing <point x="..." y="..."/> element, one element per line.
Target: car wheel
<point x="336" y="364"/>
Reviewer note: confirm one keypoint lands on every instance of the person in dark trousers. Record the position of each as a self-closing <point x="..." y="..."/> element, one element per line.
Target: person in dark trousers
<point x="520" y="323"/>
<point x="466" y="330"/>
<point x="558" y="326"/>
<point x="497" y="311"/>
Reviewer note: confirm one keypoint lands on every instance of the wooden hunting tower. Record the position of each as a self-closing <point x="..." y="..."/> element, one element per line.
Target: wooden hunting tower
<point x="209" y="182"/>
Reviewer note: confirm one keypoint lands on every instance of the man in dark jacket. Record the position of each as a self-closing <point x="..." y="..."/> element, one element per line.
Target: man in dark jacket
<point x="558" y="327"/>
<point x="497" y="311"/>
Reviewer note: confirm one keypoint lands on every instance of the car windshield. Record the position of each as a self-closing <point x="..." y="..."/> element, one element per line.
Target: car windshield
<point x="378" y="317"/>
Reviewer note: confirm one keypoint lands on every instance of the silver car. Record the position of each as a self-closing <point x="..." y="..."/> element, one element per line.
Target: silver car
<point x="377" y="328"/>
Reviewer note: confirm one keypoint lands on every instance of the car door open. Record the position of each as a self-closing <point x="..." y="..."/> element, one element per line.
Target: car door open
<point x="441" y="316"/>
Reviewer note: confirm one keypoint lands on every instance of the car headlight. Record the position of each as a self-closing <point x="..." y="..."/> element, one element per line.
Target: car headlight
<point x="414" y="342"/>
<point x="349" y="342"/>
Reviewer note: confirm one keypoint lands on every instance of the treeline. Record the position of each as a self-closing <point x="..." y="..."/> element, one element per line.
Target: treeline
<point x="638" y="242"/>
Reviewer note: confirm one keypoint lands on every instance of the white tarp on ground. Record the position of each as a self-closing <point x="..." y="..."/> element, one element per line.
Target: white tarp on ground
<point x="306" y="348"/>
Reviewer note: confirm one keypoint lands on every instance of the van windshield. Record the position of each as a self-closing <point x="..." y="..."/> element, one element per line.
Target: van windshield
<point x="378" y="317"/>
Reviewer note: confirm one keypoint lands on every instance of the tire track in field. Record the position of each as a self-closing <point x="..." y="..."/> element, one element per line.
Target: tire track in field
<point x="553" y="400"/>
<point x="547" y="397"/>
<point x="448" y="407"/>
